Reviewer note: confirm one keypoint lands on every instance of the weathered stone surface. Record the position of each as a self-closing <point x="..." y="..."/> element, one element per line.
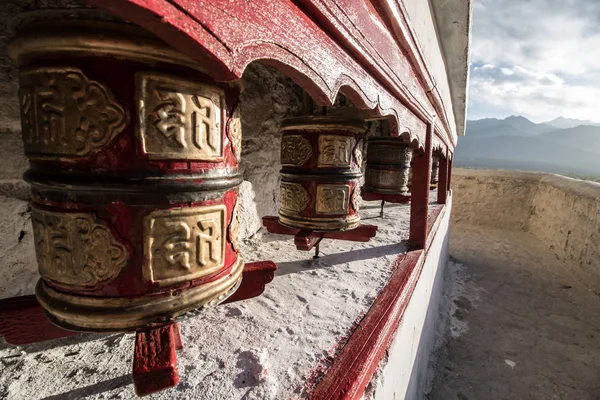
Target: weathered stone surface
<point x="268" y="98"/>
<point x="9" y="106"/>
<point x="562" y="213"/>
<point x="14" y="162"/>
<point x="18" y="267"/>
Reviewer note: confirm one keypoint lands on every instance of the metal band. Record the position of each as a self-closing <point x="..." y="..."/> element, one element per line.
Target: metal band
<point x="84" y="313"/>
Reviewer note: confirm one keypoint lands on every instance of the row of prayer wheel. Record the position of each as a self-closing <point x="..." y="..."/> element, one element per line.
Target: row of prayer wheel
<point x="321" y="162"/>
<point x="134" y="167"/>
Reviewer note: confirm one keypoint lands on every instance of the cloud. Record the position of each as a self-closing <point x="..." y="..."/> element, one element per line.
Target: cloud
<point x="538" y="58"/>
<point x="537" y="95"/>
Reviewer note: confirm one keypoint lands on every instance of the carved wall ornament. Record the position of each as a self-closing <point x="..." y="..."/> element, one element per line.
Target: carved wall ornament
<point x="234" y="226"/>
<point x="179" y="118"/>
<point x="234" y="131"/>
<point x="76" y="249"/>
<point x="293" y="197"/>
<point x="295" y="150"/>
<point x="335" y="151"/>
<point x="356" y="198"/>
<point x="358" y="154"/>
<point x="65" y="114"/>
<point x="333" y="199"/>
<point x="184" y="244"/>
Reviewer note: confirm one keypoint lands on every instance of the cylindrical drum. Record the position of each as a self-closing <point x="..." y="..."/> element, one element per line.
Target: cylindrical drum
<point x="388" y="166"/>
<point x="134" y="172"/>
<point x="435" y="171"/>
<point x="321" y="160"/>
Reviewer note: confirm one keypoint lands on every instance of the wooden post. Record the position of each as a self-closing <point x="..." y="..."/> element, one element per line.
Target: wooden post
<point x="450" y="160"/>
<point x="420" y="194"/>
<point x="443" y="183"/>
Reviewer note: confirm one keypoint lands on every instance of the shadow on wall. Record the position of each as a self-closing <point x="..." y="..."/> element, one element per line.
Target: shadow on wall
<point x="267" y="99"/>
<point x="562" y="213"/>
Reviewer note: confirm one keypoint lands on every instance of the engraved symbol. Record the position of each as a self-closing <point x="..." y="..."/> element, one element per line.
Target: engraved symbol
<point x="75" y="248"/>
<point x="184" y="244"/>
<point x="292" y="197"/>
<point x="334" y="151"/>
<point x="65" y="114"/>
<point x="295" y="150"/>
<point x="179" y="119"/>
<point x="333" y="199"/>
<point x="207" y="243"/>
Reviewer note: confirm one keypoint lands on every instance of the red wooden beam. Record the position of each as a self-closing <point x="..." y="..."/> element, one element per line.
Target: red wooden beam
<point x="23" y="321"/>
<point x="450" y="171"/>
<point x="255" y="277"/>
<point x="388" y="198"/>
<point x="419" y="206"/>
<point x="225" y="36"/>
<point x="353" y="368"/>
<point x="155" y="360"/>
<point x="443" y="182"/>
<point x="306" y="240"/>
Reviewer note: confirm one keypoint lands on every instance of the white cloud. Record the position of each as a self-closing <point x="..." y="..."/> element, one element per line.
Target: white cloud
<point x="536" y="95"/>
<point x="537" y="58"/>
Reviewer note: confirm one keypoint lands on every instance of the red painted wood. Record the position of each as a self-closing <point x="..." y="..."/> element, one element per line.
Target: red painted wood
<point x="306" y="240"/>
<point x="225" y="36"/>
<point x="273" y="226"/>
<point x="155" y="360"/>
<point x="420" y="194"/>
<point x="450" y="172"/>
<point x="443" y="182"/>
<point x="256" y="275"/>
<point x="22" y="321"/>
<point x="388" y="198"/>
<point x="353" y="368"/>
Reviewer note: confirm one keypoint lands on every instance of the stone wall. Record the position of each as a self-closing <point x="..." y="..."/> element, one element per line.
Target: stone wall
<point x="497" y="199"/>
<point x="563" y="213"/>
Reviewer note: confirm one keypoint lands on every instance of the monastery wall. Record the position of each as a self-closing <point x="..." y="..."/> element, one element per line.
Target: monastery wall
<point x="561" y="212"/>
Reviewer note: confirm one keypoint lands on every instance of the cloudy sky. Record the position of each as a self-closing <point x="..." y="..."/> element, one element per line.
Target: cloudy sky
<point x="536" y="58"/>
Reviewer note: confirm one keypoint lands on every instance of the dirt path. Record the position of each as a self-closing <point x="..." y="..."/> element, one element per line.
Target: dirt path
<point x="519" y="326"/>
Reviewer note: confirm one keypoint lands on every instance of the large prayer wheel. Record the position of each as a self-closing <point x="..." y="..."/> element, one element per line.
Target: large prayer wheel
<point x="388" y="166"/>
<point x="134" y="172"/>
<point x="321" y="166"/>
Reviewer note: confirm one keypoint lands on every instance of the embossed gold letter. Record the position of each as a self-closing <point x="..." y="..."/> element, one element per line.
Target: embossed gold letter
<point x="178" y="118"/>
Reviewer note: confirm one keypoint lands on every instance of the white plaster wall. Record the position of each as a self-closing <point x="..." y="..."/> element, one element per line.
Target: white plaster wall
<point x="403" y="375"/>
<point x="422" y="21"/>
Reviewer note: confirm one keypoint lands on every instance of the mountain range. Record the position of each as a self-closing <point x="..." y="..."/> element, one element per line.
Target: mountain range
<point x="564" y="146"/>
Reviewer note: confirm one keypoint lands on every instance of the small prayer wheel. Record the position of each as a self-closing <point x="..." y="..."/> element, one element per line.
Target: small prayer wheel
<point x="388" y="166"/>
<point x="321" y="166"/>
<point x="435" y="171"/>
<point x="134" y="157"/>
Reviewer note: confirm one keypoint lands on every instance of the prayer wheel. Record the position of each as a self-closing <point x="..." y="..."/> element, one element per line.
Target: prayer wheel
<point x="435" y="171"/>
<point x="388" y="166"/>
<point x="321" y="167"/>
<point x="134" y="156"/>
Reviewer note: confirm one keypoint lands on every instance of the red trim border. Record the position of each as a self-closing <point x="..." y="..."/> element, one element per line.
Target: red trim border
<point x="359" y="359"/>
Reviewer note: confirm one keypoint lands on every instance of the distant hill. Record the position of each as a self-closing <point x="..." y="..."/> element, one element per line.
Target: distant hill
<point x="566" y="123"/>
<point x="513" y="125"/>
<point x="518" y="143"/>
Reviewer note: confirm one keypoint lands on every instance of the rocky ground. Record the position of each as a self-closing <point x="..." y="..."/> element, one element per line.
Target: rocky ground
<point x="517" y="324"/>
